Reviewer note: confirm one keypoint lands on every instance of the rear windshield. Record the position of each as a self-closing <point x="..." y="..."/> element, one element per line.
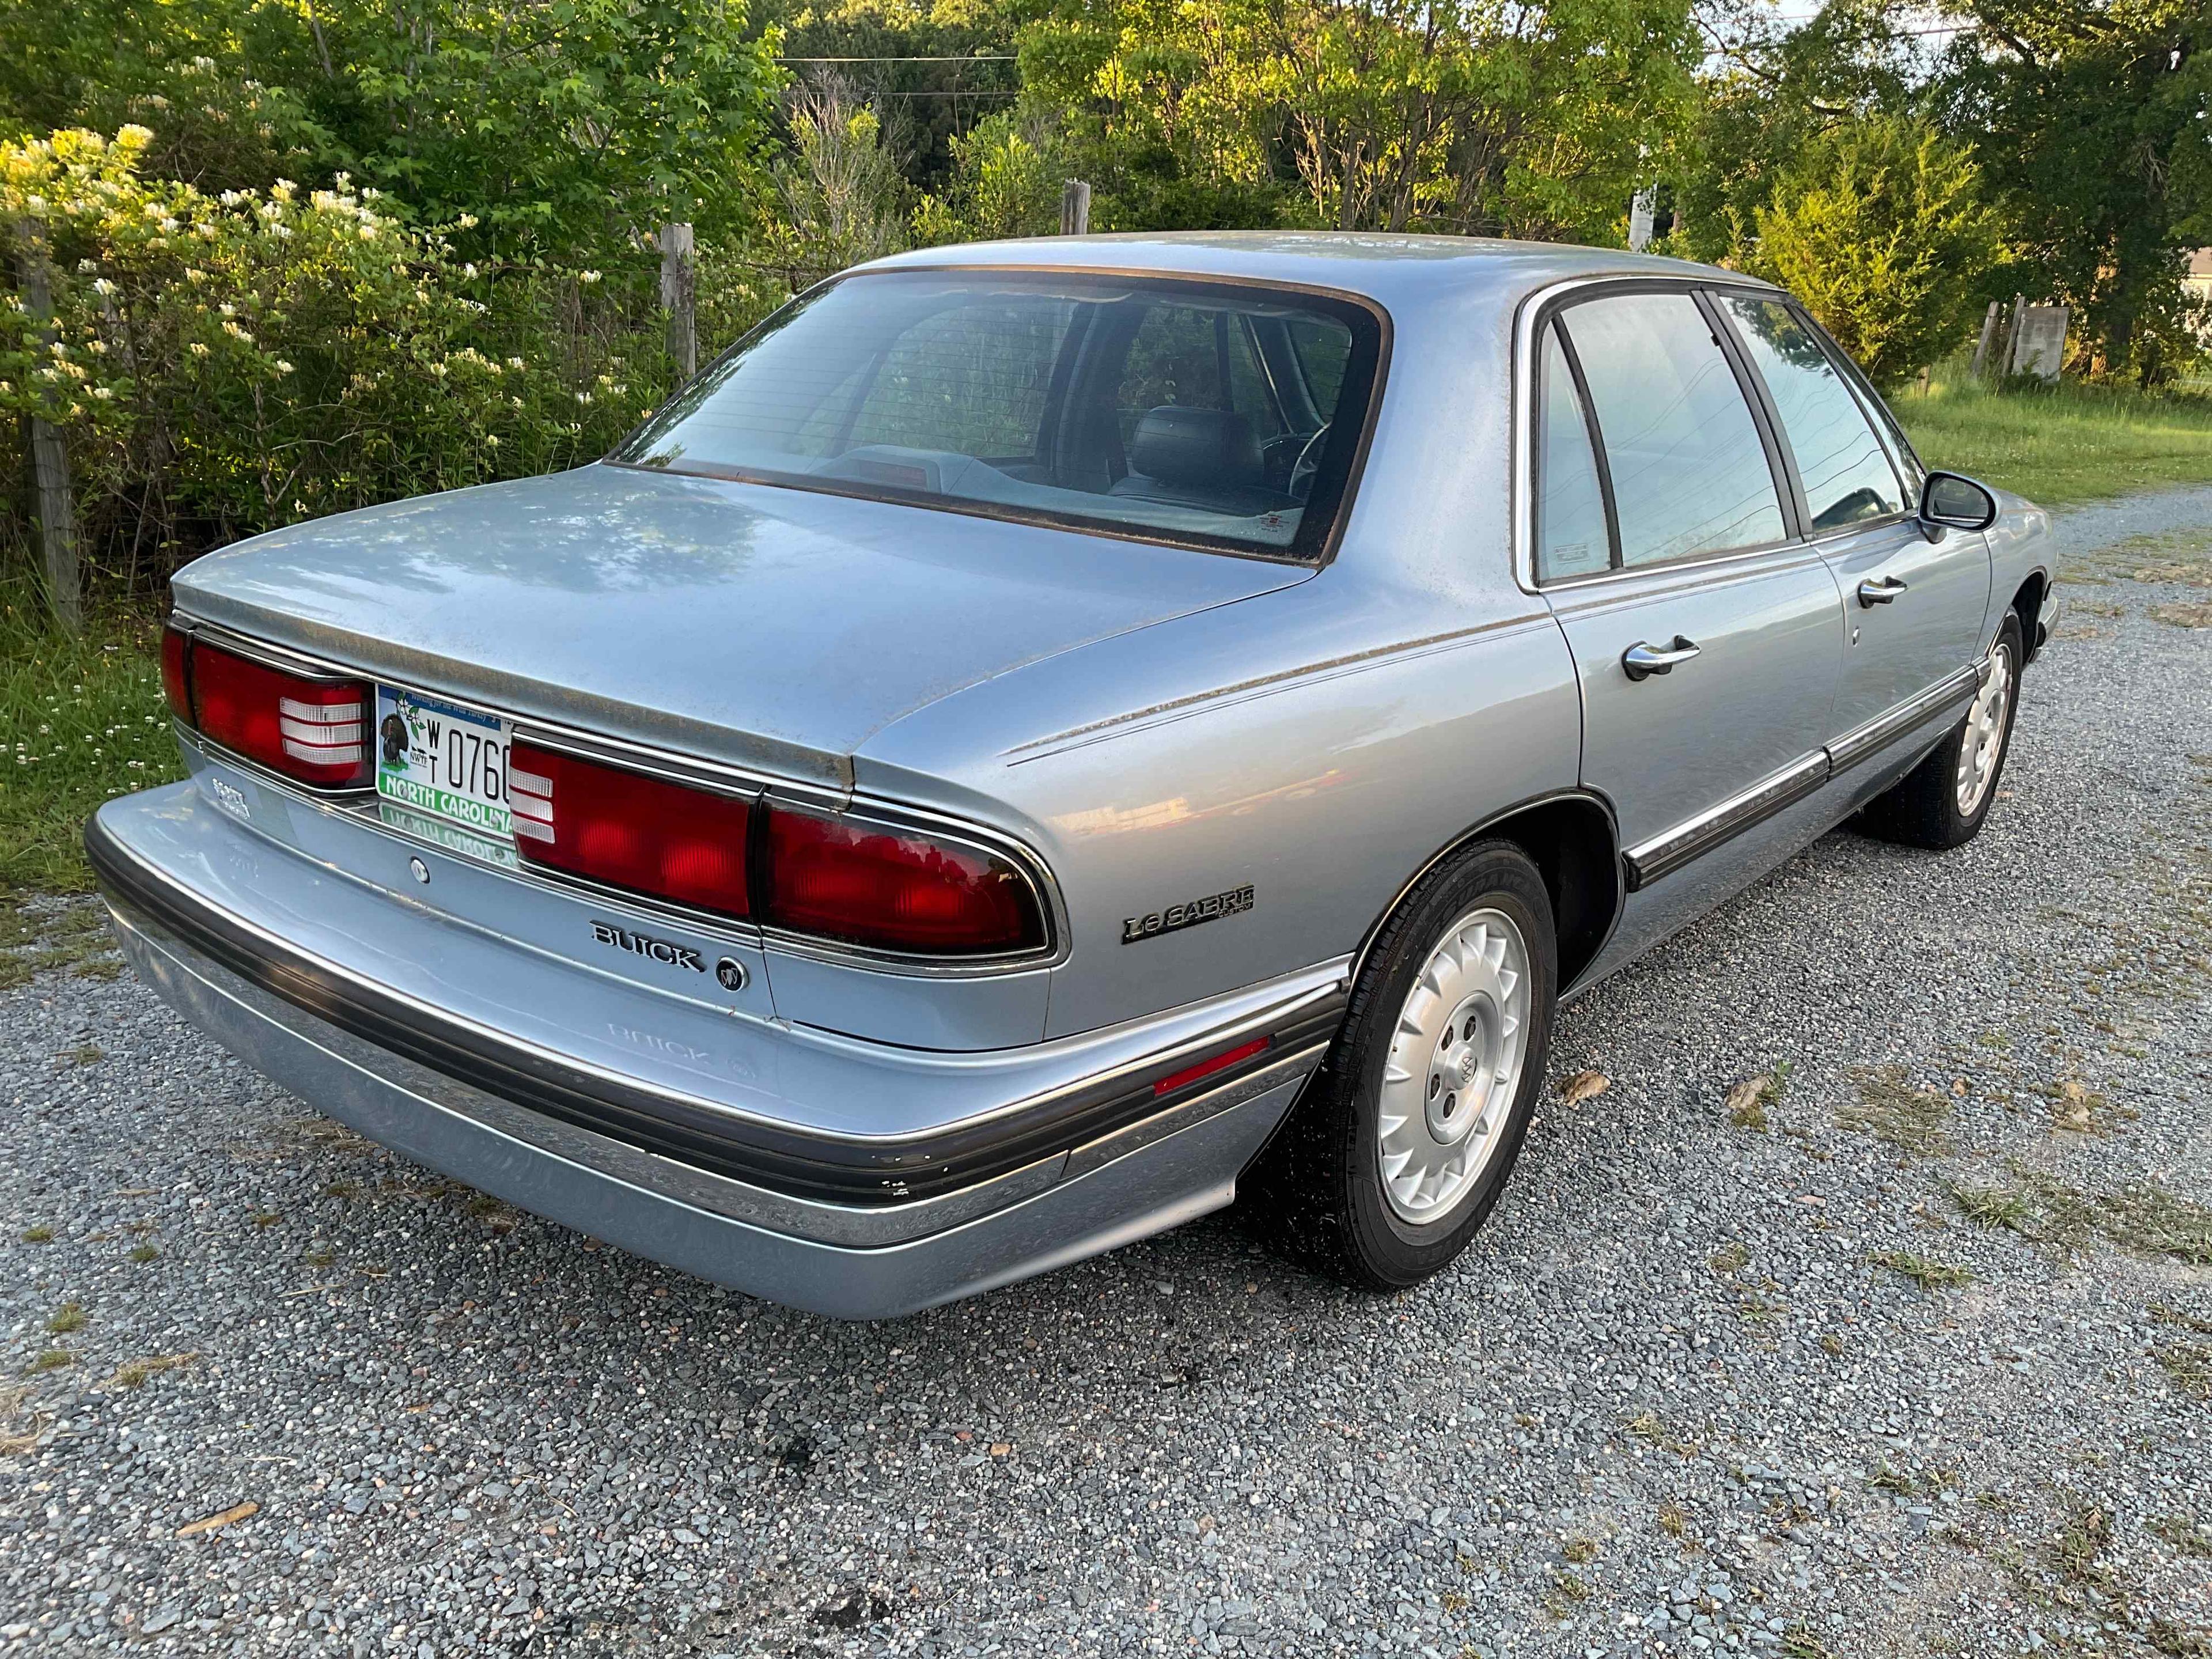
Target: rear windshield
<point x="1205" y="415"/>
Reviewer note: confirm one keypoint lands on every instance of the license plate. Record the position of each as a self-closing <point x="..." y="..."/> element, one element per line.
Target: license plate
<point x="443" y="760"/>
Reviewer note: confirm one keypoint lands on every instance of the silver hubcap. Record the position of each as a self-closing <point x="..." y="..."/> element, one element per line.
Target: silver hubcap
<point x="1985" y="729"/>
<point x="1454" y="1065"/>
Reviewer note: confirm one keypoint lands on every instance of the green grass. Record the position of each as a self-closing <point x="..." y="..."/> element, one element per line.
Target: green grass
<point x="2070" y="443"/>
<point x="81" y="720"/>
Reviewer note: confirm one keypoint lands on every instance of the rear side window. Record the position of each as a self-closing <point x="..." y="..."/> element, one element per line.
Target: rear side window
<point x="1846" y="475"/>
<point x="1571" y="536"/>
<point x="1198" y="414"/>
<point x="1688" y="472"/>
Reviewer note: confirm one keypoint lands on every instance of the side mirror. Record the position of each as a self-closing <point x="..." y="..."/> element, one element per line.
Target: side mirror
<point x="1951" y="500"/>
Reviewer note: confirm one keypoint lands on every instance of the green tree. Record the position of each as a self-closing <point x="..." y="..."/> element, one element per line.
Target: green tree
<point x="1479" y="116"/>
<point x="2097" y="149"/>
<point x="557" y="127"/>
<point x="1775" y="90"/>
<point x="1883" y="232"/>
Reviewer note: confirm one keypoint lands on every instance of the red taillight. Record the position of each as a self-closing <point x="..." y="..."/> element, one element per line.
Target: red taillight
<point x="894" y="889"/>
<point x="829" y="877"/>
<point x="313" y="730"/>
<point x="674" y="842"/>
<point x="176" y="685"/>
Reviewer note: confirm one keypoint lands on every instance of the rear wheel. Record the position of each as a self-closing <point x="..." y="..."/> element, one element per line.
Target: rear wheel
<point x="1401" y="1144"/>
<point x="1941" y="802"/>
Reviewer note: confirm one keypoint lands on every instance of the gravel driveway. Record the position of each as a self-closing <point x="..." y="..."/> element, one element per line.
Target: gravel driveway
<point x="1908" y="1352"/>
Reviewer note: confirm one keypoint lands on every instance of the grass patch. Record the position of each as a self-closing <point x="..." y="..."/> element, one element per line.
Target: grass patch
<point x="2144" y="1217"/>
<point x="2189" y="1537"/>
<point x="1748" y="1103"/>
<point x="1928" y="1275"/>
<point x="143" y="1253"/>
<point x="66" y="1318"/>
<point x="1891" y="1110"/>
<point x="53" y="1359"/>
<point x="46" y="939"/>
<point x="2187" y="1366"/>
<point x="39" y="1234"/>
<point x="136" y="1373"/>
<point x="2067" y="442"/>
<point x="81" y="720"/>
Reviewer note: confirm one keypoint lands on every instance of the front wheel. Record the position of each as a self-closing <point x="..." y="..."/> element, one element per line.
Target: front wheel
<point x="1402" y="1143"/>
<point x="1941" y="802"/>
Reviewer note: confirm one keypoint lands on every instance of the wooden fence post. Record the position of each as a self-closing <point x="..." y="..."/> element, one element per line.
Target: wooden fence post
<point x="50" y="468"/>
<point x="1989" y="331"/>
<point x="679" y="295"/>
<point x="1074" y="208"/>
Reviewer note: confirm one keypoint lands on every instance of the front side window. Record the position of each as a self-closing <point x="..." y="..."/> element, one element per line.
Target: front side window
<point x="1846" y="475"/>
<point x="1688" y="472"/>
<point x="1180" y="411"/>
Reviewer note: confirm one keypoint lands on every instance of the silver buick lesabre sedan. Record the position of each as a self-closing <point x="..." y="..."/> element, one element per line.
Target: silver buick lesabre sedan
<point x="1041" y="740"/>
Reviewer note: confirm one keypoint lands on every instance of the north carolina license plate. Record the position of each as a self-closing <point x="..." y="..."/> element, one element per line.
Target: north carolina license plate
<point x="444" y="760"/>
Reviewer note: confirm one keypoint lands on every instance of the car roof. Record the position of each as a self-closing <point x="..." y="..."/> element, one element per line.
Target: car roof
<point x="1389" y="268"/>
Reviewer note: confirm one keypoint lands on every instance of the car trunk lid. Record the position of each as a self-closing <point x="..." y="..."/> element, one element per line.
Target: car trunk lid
<point x="766" y="627"/>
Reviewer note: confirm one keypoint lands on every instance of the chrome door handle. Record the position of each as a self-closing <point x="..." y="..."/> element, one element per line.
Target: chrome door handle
<point x="1643" y="659"/>
<point x="1880" y="591"/>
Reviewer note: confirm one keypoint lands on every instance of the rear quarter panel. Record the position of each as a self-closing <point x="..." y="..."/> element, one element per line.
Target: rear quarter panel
<point x="1319" y="743"/>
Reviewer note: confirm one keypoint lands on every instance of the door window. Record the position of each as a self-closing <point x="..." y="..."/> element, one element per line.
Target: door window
<point x="1689" y="473"/>
<point x="1571" y="536"/>
<point x="1840" y="463"/>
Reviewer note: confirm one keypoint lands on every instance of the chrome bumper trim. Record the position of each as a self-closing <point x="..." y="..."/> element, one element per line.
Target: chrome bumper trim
<point x="1003" y="1138"/>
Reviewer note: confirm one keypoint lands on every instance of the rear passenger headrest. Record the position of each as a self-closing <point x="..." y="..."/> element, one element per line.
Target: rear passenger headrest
<point x="1196" y="447"/>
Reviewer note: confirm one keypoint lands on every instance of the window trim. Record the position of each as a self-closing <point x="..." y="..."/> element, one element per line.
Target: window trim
<point x="1318" y="558"/>
<point x="1831" y="353"/>
<point x="1539" y="308"/>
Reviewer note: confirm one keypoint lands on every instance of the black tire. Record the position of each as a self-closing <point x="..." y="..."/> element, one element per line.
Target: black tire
<point x="1317" y="1192"/>
<point x="1921" y="808"/>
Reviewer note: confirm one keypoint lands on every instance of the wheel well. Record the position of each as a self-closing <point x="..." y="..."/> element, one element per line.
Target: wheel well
<point x="2028" y="603"/>
<point x="1570" y="838"/>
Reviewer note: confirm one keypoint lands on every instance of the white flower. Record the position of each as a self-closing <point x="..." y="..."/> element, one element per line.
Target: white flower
<point x="368" y="233"/>
<point x="514" y="362"/>
<point x="103" y="392"/>
<point x="468" y="221"/>
<point x="587" y="277"/>
<point x="491" y="441"/>
<point x="283" y="368"/>
<point x="197" y="349"/>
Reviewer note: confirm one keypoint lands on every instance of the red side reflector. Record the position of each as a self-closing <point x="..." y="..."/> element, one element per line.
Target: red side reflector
<point x="174" y="683"/>
<point x="1204" y="1068"/>
<point x="315" y="731"/>
<point x="668" y="840"/>
<point x="894" y="889"/>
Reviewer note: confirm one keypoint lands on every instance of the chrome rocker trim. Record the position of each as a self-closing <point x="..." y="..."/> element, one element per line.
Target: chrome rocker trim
<point x="1664" y="853"/>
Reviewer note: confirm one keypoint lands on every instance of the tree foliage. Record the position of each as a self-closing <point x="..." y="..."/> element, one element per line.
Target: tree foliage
<point x="563" y="127"/>
<point x="1468" y="115"/>
<point x="2099" y="121"/>
<point x="1881" y="228"/>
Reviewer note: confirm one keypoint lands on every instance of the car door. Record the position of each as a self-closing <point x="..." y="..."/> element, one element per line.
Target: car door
<point x="1914" y="602"/>
<point x="1704" y="632"/>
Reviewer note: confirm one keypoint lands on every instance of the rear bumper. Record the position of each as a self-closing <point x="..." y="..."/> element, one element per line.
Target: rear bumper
<point x="1045" y="1168"/>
